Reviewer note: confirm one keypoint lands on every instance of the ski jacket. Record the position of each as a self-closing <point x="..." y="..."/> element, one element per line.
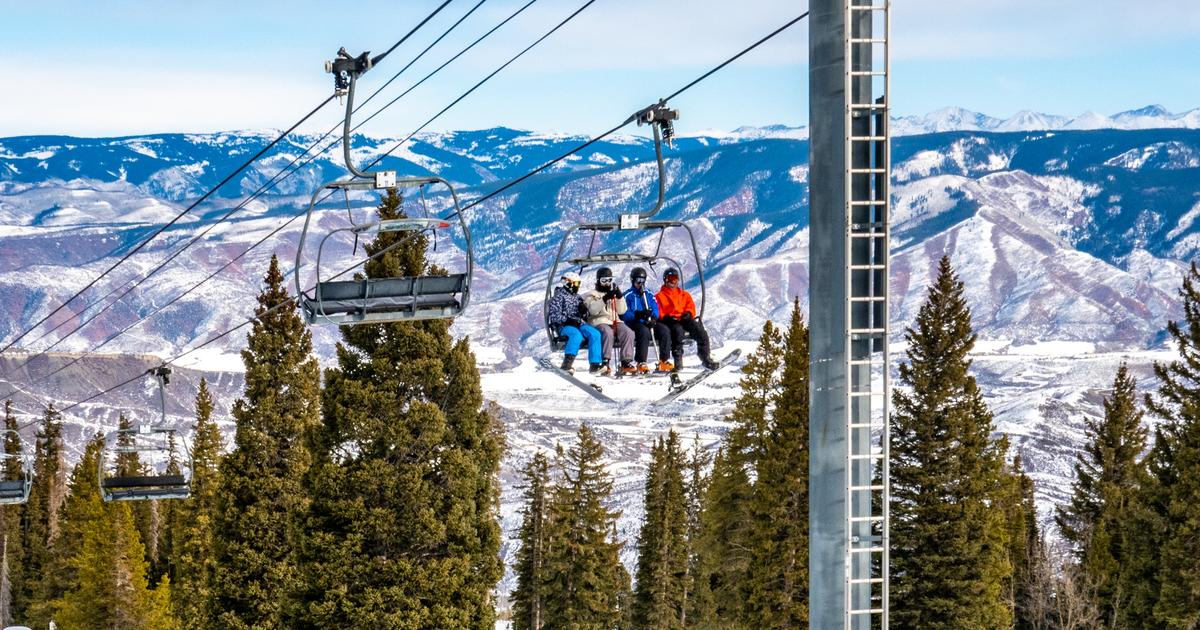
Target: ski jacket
<point x="601" y="311"/>
<point x="639" y="301"/>
<point x="564" y="305"/>
<point x="674" y="302"/>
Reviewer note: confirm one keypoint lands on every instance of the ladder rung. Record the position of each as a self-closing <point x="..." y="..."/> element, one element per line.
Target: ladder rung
<point x="867" y="171"/>
<point x="874" y="202"/>
<point x="867" y="267"/>
<point x="869" y="299"/>
<point x="867" y="488"/>
<point x="866" y="519"/>
<point x="866" y="425"/>
<point x="866" y="611"/>
<point x="868" y="73"/>
<point x="865" y="362"/>
<point x="876" y="549"/>
<point x="868" y="106"/>
<point x="867" y="40"/>
<point x="866" y="580"/>
<point x="867" y="7"/>
<point x="867" y="456"/>
<point x="866" y="138"/>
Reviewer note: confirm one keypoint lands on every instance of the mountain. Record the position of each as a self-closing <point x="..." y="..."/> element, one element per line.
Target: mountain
<point x="1071" y="245"/>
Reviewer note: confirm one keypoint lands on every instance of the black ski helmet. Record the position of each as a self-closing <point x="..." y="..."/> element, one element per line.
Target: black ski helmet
<point x="603" y="272"/>
<point x="637" y="274"/>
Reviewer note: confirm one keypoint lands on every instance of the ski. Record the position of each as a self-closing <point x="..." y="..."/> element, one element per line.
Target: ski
<point x="679" y="387"/>
<point x="591" y="389"/>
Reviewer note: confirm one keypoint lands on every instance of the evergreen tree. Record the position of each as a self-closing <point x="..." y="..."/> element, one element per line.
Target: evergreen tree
<point x="1175" y="464"/>
<point x="778" y="573"/>
<point x="660" y="599"/>
<point x="696" y="487"/>
<point x="145" y="513"/>
<point x="1026" y="548"/>
<point x="527" y="597"/>
<point x="405" y="481"/>
<point x="1107" y="475"/>
<point x="727" y="526"/>
<point x="80" y="510"/>
<point x="261" y="493"/>
<point x="586" y="582"/>
<point x="10" y="519"/>
<point x="950" y="557"/>
<point x="40" y="526"/>
<point x="192" y="560"/>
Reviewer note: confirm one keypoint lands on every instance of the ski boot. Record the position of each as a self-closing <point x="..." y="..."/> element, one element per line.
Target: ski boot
<point x="665" y="367"/>
<point x="568" y="364"/>
<point x="628" y="368"/>
<point x="643" y="369"/>
<point x="595" y="368"/>
<point x="709" y="364"/>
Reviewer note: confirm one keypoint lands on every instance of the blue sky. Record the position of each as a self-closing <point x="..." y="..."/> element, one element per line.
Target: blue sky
<point x="121" y="67"/>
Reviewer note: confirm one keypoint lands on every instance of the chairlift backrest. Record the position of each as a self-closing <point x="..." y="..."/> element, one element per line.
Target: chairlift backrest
<point x="16" y="491"/>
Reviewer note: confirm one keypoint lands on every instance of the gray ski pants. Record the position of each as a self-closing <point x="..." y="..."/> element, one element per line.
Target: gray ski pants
<point x="624" y="344"/>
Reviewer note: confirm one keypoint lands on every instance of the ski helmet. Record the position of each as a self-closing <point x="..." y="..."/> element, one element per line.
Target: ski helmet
<point x="671" y="272"/>
<point x="604" y="276"/>
<point x="637" y="275"/>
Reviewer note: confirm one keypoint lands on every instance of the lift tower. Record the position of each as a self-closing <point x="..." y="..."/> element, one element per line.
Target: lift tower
<point x="848" y="291"/>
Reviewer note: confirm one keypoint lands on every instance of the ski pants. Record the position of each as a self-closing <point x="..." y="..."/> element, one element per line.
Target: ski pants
<point x="624" y="338"/>
<point x="693" y="327"/>
<point x="575" y="338"/>
<point x="642" y="333"/>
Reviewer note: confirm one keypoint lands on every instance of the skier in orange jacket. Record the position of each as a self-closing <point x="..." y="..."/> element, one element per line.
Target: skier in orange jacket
<point x="677" y="310"/>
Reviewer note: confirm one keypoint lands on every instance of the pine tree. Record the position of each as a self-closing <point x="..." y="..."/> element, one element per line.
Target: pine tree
<point x="145" y="513"/>
<point x="660" y="599"/>
<point x="1107" y="475"/>
<point x="192" y="558"/>
<point x="778" y="573"/>
<point x="950" y="558"/>
<point x="696" y="487"/>
<point x="261" y="493"/>
<point x="406" y="476"/>
<point x="1026" y="547"/>
<point x="527" y="597"/>
<point x="727" y="523"/>
<point x="40" y="526"/>
<point x="10" y="518"/>
<point x="1175" y="464"/>
<point x="586" y="582"/>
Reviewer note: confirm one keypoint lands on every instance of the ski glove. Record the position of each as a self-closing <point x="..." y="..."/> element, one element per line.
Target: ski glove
<point x="613" y="294"/>
<point x="687" y="317"/>
<point x="572" y="321"/>
<point x="643" y="315"/>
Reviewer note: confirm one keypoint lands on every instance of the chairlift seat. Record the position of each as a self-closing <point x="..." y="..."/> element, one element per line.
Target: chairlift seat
<point x="386" y="299"/>
<point x="13" y="490"/>
<point x="148" y="481"/>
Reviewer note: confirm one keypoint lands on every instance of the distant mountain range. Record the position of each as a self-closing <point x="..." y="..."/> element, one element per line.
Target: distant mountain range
<point x="959" y="119"/>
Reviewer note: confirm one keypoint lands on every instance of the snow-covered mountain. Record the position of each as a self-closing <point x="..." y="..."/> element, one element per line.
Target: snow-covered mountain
<point x="1071" y="244"/>
<point x="959" y="119"/>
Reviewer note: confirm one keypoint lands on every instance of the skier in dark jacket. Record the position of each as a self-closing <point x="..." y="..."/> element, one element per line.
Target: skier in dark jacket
<point x="641" y="314"/>
<point x="677" y="310"/>
<point x="564" y="316"/>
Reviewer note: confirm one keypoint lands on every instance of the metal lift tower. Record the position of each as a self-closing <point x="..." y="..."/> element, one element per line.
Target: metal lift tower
<point x="848" y="291"/>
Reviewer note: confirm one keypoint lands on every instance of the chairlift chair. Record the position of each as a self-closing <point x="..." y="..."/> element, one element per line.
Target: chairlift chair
<point x="14" y="491"/>
<point x="660" y="118"/>
<point x="380" y="300"/>
<point x="145" y="439"/>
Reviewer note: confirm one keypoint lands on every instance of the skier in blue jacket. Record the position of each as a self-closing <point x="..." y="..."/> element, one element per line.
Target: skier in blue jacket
<point x="641" y="314"/>
<point x="564" y="312"/>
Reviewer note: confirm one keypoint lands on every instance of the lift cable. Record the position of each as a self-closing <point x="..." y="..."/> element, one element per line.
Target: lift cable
<point x="202" y="198"/>
<point x="292" y="301"/>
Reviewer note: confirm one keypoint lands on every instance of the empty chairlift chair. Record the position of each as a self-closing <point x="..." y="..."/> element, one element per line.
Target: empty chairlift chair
<point x="154" y="447"/>
<point x="379" y="300"/>
<point x="16" y="490"/>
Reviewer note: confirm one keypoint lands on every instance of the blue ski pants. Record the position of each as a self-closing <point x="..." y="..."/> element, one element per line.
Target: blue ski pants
<point x="575" y="339"/>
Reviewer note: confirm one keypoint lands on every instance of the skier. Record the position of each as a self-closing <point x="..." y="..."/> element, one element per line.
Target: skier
<point x="677" y="310"/>
<point x="605" y="306"/>
<point x="565" y="313"/>
<point x="641" y="314"/>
